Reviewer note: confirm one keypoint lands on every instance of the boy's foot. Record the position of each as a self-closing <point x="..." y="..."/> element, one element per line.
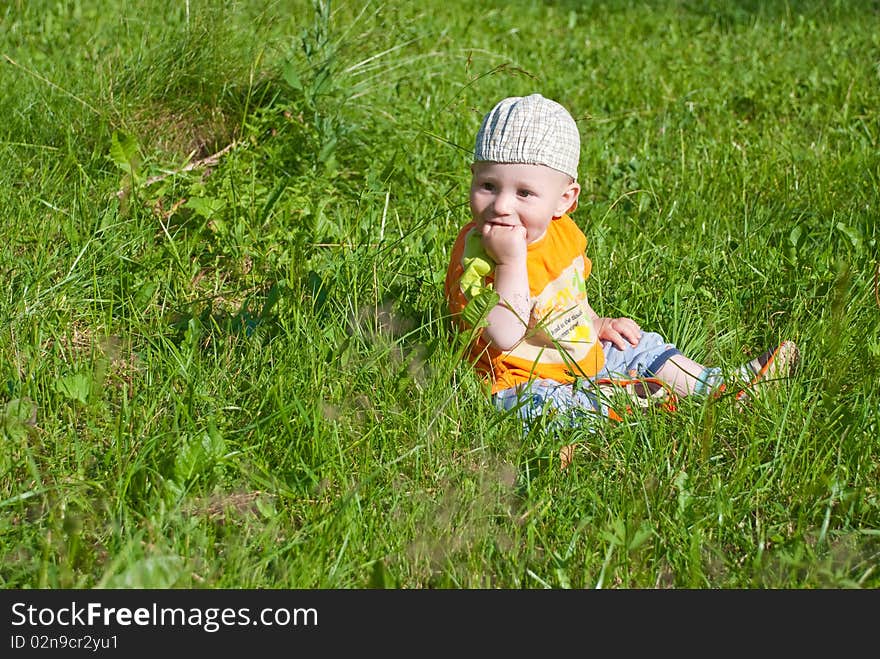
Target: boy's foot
<point x="776" y="363"/>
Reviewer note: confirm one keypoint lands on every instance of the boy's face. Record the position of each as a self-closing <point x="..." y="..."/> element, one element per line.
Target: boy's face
<point x="530" y="196"/>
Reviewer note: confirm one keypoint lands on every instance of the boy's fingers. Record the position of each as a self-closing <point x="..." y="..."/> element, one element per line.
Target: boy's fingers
<point x="623" y="335"/>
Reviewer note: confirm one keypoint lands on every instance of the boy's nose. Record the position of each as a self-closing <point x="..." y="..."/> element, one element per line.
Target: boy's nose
<point x="503" y="203"/>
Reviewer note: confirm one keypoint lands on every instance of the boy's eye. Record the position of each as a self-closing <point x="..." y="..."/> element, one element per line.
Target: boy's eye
<point x="487" y="186"/>
<point x="525" y="193"/>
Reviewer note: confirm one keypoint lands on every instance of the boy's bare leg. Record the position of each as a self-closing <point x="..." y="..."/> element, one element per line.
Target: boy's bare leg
<point x="681" y="373"/>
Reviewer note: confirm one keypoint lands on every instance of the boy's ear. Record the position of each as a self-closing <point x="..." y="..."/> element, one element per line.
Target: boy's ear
<point x="568" y="202"/>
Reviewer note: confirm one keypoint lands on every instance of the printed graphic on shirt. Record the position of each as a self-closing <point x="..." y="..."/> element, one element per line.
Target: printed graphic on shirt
<point x="561" y="329"/>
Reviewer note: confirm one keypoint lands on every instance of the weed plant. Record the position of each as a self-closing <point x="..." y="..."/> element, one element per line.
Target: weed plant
<point x="226" y="359"/>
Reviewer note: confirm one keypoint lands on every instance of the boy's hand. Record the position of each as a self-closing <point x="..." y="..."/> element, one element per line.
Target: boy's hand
<point x="619" y="331"/>
<point x="506" y="244"/>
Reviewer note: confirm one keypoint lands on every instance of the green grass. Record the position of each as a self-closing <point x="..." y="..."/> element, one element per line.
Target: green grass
<point x="243" y="375"/>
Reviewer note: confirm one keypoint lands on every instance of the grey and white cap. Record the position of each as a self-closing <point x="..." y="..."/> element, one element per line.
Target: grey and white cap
<point x="530" y="130"/>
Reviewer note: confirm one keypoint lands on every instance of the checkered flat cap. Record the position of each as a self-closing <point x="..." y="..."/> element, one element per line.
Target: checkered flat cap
<point x="530" y="130"/>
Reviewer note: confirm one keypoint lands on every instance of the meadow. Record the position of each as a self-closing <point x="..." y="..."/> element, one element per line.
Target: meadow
<point x="227" y="361"/>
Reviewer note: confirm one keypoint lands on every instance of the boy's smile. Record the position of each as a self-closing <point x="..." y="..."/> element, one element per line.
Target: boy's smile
<point x="517" y="195"/>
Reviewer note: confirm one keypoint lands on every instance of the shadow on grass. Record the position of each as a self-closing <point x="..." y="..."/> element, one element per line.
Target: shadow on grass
<point x="252" y="320"/>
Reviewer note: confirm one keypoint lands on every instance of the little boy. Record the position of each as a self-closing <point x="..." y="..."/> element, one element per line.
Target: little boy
<point x="541" y="347"/>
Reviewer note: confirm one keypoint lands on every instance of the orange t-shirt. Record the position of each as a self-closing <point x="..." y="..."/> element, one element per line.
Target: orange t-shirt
<point x="560" y="342"/>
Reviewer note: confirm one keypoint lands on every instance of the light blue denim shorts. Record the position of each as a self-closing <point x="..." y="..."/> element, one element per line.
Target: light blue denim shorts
<point x="580" y="403"/>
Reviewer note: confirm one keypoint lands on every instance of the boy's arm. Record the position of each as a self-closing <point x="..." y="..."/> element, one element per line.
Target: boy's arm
<point x="509" y="319"/>
<point x="617" y="330"/>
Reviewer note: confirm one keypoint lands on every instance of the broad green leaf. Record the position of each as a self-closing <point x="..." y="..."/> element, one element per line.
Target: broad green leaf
<point x="684" y="493"/>
<point x="75" y="387"/>
<point x="854" y="235"/>
<point x="292" y="77"/>
<point x="153" y="572"/>
<point x="199" y="455"/>
<point x="640" y="536"/>
<point x="615" y="534"/>
<point x="18" y="415"/>
<point x="266" y="507"/>
<point x="474" y="314"/>
<point x="325" y="155"/>
<point x="207" y="207"/>
<point x="124" y="152"/>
